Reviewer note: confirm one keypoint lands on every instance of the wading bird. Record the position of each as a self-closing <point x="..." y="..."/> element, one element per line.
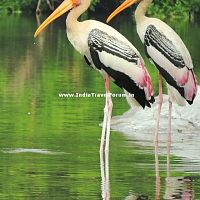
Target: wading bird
<point x="109" y="52"/>
<point x="167" y="52"/>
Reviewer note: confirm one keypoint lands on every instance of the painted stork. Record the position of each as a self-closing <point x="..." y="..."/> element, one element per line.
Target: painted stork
<point x="168" y="53"/>
<point x="110" y="53"/>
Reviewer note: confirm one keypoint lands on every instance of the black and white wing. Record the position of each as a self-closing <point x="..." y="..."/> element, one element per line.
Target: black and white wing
<point x="122" y="64"/>
<point x="174" y="65"/>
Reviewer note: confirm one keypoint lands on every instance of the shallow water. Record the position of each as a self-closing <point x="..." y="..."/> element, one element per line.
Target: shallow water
<point x="49" y="146"/>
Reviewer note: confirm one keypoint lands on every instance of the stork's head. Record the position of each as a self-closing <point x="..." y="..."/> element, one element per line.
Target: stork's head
<point x="123" y="6"/>
<point x="65" y="6"/>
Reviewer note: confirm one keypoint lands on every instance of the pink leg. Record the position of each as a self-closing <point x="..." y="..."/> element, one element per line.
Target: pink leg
<point x="110" y="106"/>
<point x="159" y="107"/>
<point x="104" y="126"/>
<point x="169" y="123"/>
<point x="169" y="139"/>
<point x="105" y="181"/>
<point x="168" y="159"/>
<point x="106" y="136"/>
<point x="157" y="170"/>
<point x="107" y="178"/>
<point x="168" y="185"/>
<point x="107" y="117"/>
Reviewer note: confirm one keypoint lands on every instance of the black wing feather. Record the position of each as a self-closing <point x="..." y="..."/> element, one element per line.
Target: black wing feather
<point x="99" y="41"/>
<point x="87" y="61"/>
<point x="155" y="38"/>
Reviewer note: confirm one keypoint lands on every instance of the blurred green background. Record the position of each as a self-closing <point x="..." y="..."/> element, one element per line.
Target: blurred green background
<point x="164" y="8"/>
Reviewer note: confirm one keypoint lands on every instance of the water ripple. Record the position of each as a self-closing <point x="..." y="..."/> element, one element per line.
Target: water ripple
<point x="37" y="151"/>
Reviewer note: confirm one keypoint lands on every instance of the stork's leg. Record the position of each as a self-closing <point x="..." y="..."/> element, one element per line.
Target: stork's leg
<point x="103" y="133"/>
<point x="110" y="106"/>
<point x="106" y="136"/>
<point x="105" y="119"/>
<point x="169" y="137"/>
<point x="168" y="159"/>
<point x="107" y="178"/>
<point x="169" y="122"/>
<point x="168" y="185"/>
<point x="157" y="171"/>
<point x="103" y="178"/>
<point x="105" y="183"/>
<point x="159" y="107"/>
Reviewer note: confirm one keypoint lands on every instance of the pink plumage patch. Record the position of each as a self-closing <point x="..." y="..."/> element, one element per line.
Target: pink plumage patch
<point x="184" y="79"/>
<point x="146" y="81"/>
<point x="190" y="86"/>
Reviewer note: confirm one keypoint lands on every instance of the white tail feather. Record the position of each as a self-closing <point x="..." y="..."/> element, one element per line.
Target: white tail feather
<point x="175" y="96"/>
<point x="131" y="100"/>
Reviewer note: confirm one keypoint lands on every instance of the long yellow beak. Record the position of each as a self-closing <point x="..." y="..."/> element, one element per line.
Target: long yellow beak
<point x="63" y="8"/>
<point x="122" y="7"/>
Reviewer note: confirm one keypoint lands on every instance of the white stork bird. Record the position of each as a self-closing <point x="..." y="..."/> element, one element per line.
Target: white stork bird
<point x="109" y="52"/>
<point x="167" y="52"/>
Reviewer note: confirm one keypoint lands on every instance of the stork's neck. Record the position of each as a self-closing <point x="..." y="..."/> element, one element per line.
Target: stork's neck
<point x="141" y="10"/>
<point x="75" y="13"/>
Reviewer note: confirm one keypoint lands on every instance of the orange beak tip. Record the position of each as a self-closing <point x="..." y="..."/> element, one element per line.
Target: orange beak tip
<point x="123" y="6"/>
<point x="109" y="19"/>
<point x="36" y="34"/>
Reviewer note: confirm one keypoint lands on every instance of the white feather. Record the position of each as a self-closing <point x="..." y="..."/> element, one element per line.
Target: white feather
<point x="174" y="96"/>
<point x="169" y="33"/>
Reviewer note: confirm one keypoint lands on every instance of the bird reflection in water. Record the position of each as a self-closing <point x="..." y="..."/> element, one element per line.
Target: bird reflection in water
<point x="176" y="188"/>
<point x="179" y="188"/>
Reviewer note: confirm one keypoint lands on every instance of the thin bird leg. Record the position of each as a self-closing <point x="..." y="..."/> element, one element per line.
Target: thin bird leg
<point x="157" y="171"/>
<point x="105" y="181"/>
<point x="168" y="160"/>
<point x="169" y="122"/>
<point x="110" y="106"/>
<point x="107" y="178"/>
<point x="168" y="184"/>
<point x="106" y="80"/>
<point x="106" y="133"/>
<point x="169" y="138"/>
<point x="103" y="178"/>
<point x="159" y="107"/>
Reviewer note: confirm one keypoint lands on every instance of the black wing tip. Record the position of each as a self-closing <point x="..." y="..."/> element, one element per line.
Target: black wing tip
<point x="149" y="102"/>
<point x="152" y="100"/>
<point x="191" y="101"/>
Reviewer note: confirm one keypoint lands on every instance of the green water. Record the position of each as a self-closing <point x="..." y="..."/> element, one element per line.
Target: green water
<point x="49" y="146"/>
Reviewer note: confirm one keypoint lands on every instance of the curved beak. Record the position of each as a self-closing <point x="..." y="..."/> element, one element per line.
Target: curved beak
<point x="122" y="7"/>
<point x="63" y="8"/>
